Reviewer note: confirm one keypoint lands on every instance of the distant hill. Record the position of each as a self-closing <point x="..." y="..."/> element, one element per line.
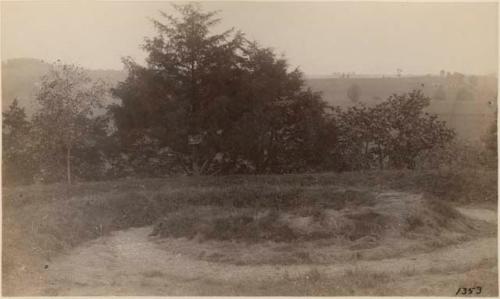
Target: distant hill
<point x="21" y="79"/>
<point x="467" y="103"/>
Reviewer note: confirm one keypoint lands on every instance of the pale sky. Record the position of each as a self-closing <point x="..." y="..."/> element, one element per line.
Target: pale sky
<point x="319" y="37"/>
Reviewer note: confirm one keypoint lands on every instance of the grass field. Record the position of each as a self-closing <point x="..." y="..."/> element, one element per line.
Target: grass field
<point x="243" y="225"/>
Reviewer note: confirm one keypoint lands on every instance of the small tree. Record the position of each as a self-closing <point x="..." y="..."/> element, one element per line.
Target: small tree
<point x="464" y="94"/>
<point x="440" y="94"/>
<point x="353" y="93"/>
<point x="68" y="99"/>
<point x="397" y="130"/>
<point x="410" y="130"/>
<point x="491" y="137"/>
<point x="490" y="140"/>
<point x="18" y="164"/>
<point x="354" y="138"/>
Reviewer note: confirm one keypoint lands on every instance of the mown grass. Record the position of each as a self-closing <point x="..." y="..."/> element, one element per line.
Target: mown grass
<point x="315" y="283"/>
<point x="359" y="282"/>
<point x="464" y="185"/>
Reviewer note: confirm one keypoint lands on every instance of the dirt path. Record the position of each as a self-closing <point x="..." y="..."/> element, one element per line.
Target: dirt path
<point x="481" y="214"/>
<point x="129" y="263"/>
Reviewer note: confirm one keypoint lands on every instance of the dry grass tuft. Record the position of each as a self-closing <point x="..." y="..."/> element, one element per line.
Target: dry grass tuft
<point x="364" y="219"/>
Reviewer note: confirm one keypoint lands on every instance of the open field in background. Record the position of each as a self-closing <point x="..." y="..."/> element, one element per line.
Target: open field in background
<point x="373" y="90"/>
<point x="469" y="118"/>
<point x="309" y="234"/>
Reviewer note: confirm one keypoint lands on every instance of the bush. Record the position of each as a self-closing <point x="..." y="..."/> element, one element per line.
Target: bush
<point x="457" y="156"/>
<point x="390" y="134"/>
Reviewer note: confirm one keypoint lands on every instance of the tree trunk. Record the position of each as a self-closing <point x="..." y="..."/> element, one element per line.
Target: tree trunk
<point x="380" y="158"/>
<point x="195" y="168"/>
<point x="68" y="165"/>
<point x="366" y="159"/>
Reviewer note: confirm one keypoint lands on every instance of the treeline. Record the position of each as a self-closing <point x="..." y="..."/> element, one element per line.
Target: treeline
<point x="207" y="104"/>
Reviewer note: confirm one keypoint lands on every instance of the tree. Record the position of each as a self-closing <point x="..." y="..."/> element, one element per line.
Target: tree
<point x="354" y="138"/>
<point x="353" y="93"/>
<point x="213" y="103"/>
<point x="491" y="137"/>
<point x="490" y="140"/>
<point x="188" y="72"/>
<point x="395" y="131"/>
<point x="68" y="99"/>
<point x="18" y="165"/>
<point x="464" y="94"/>
<point x="283" y="125"/>
<point x="410" y="131"/>
<point x="440" y="94"/>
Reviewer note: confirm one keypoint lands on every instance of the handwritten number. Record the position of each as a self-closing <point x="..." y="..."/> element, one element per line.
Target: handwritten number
<point x="468" y="291"/>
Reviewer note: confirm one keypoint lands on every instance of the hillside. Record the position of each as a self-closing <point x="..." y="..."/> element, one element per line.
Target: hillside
<point x="466" y="103"/>
<point x="21" y="77"/>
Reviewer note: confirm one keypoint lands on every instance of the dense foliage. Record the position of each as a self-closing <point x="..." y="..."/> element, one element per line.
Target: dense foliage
<point x="209" y="104"/>
<point x="66" y="128"/>
<point x="216" y="103"/>
<point x="393" y="133"/>
<point x="17" y="155"/>
<point x="64" y="136"/>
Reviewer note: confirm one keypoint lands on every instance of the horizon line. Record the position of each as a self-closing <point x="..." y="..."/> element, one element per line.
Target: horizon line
<point x="332" y="75"/>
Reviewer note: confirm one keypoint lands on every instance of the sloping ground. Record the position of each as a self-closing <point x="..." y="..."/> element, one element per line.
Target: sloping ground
<point x="127" y="263"/>
<point x="131" y="263"/>
<point x="42" y="222"/>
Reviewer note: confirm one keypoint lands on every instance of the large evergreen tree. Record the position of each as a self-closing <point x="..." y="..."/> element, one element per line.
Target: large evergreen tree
<point x="215" y="102"/>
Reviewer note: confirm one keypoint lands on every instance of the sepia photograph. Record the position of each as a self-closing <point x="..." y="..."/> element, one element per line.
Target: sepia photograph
<point x="249" y="148"/>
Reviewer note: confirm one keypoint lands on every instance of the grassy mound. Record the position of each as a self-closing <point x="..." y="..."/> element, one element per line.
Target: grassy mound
<point x="345" y="215"/>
